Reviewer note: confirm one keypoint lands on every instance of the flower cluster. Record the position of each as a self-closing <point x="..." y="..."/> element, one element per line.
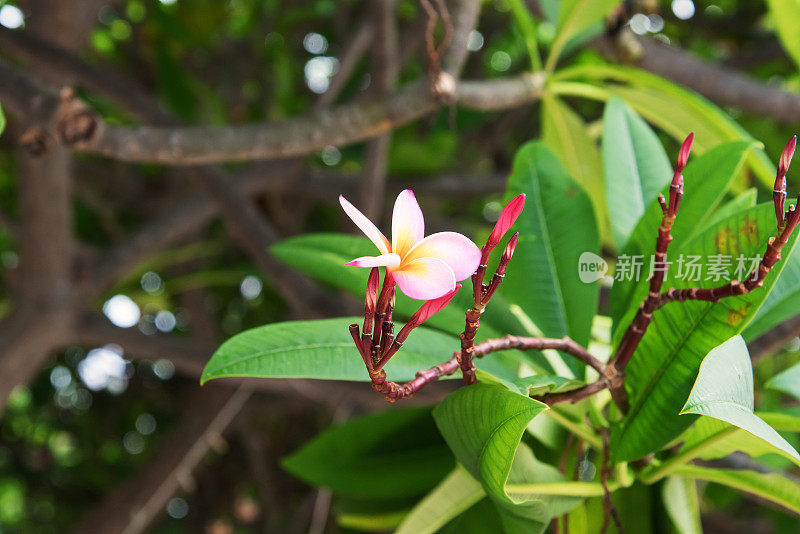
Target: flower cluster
<point x="424" y="268"/>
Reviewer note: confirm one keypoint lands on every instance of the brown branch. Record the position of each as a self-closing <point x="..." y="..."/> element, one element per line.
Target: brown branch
<point x="638" y="326"/>
<point x="564" y="344"/>
<point x="192" y="145"/>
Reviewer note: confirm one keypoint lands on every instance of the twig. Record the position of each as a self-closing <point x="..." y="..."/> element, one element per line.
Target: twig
<point x="638" y="326"/>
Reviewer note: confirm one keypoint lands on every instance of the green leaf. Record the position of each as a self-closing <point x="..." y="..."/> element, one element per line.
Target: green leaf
<point x="710" y="438"/>
<point x="397" y="453"/>
<point x="2" y="120"/>
<point x="483" y="425"/>
<point x="635" y="165"/>
<point x="663" y="104"/>
<point x="771" y="486"/>
<point x="574" y="17"/>
<point x="455" y="494"/>
<point x="683" y="506"/>
<point x="706" y="179"/>
<point x="661" y="373"/>
<point x="555" y="228"/>
<point x="788" y="381"/>
<point x="481" y="518"/>
<point x="566" y="134"/>
<point x="724" y="390"/>
<point x="781" y="304"/>
<point x="741" y="202"/>
<point x="319" y="349"/>
<point x="785" y="15"/>
<point x="523" y="19"/>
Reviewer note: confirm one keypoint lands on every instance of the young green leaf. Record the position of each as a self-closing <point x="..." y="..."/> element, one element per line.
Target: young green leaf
<point x="398" y="453"/>
<point x="555" y="228"/>
<point x="452" y="496"/>
<point x="567" y="135"/>
<point x="724" y="390"/>
<point x="574" y="17"/>
<point x="785" y="15"/>
<point x="661" y="373"/>
<point x="320" y="349"/>
<point x="683" y="506"/>
<point x="664" y="104"/>
<point x="788" y="381"/>
<point x="770" y="486"/>
<point x="635" y="165"/>
<point x="710" y="438"/>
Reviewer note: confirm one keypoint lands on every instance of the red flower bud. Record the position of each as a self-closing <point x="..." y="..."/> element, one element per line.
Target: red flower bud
<point x="683" y="154"/>
<point x="506" y="220"/>
<point x="372" y="290"/>
<point x="786" y="158"/>
<point x="507" y="254"/>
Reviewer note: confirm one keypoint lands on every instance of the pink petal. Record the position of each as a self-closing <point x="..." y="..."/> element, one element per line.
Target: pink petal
<point x="384" y="260"/>
<point x="456" y="250"/>
<point x="425" y="278"/>
<point x="408" y="224"/>
<point x="366" y="226"/>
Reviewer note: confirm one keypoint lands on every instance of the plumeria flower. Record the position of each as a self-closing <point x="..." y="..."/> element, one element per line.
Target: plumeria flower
<point x="424" y="268"/>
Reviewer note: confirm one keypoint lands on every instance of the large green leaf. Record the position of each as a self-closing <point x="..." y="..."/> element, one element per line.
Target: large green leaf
<point x="555" y="228"/>
<point x="682" y="504"/>
<point x="483" y="425"/>
<point x="574" y="17"/>
<point x="769" y="486"/>
<point x="567" y="135"/>
<point x="664" y="104"/>
<point x="781" y="304"/>
<point x="785" y="15"/>
<point x="724" y="390"/>
<point x="706" y="179"/>
<point x="480" y="518"/>
<point x="663" y="368"/>
<point x="788" y="381"/>
<point x="320" y="349"/>
<point x="635" y="165"/>
<point x="455" y="494"/>
<point x="401" y="446"/>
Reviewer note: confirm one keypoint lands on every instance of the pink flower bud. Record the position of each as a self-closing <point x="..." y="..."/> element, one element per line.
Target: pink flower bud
<point x="507" y="218"/>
